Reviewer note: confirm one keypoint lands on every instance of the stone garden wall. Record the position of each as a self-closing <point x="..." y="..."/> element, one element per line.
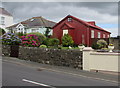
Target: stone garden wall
<point x="6" y="50"/>
<point x="69" y="58"/>
<point x="57" y="57"/>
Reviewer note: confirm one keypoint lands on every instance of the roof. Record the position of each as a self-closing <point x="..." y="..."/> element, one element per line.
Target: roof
<point x="36" y="22"/>
<point x="84" y="22"/>
<point x="4" y="12"/>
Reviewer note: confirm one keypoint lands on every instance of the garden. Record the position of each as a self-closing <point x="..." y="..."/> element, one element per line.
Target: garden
<point x="38" y="40"/>
<point x="42" y="41"/>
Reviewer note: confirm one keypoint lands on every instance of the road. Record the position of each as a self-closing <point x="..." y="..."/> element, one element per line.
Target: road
<point x="21" y="75"/>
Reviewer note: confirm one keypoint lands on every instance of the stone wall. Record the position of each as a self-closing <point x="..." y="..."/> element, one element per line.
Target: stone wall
<point x="57" y="57"/>
<point x="115" y="42"/>
<point x="6" y="50"/>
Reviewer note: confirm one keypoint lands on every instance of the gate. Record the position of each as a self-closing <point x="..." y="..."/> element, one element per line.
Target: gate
<point x="14" y="50"/>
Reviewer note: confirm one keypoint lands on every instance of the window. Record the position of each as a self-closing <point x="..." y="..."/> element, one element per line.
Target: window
<point x="98" y="34"/>
<point x="92" y="33"/>
<point x="65" y="32"/>
<point x="103" y="35"/>
<point x="108" y="36"/>
<point x="2" y="20"/>
<point x="69" y="19"/>
<point x="83" y="39"/>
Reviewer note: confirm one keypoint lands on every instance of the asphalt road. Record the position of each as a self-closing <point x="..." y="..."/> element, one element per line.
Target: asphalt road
<point x="20" y="75"/>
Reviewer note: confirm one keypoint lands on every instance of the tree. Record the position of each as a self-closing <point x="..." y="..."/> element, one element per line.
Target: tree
<point x="67" y="40"/>
<point x="2" y="31"/>
<point x="47" y="32"/>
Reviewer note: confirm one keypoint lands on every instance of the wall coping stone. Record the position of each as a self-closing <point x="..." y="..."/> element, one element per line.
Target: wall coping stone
<point x="88" y="49"/>
<point x="105" y="53"/>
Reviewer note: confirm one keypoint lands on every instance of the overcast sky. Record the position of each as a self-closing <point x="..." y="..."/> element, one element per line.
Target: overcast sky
<point x="104" y="13"/>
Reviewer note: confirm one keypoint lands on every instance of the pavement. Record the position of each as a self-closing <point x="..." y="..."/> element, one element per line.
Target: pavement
<point x="16" y="72"/>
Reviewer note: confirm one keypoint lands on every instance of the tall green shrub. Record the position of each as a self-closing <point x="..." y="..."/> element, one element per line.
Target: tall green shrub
<point x="47" y="32"/>
<point x="67" y="40"/>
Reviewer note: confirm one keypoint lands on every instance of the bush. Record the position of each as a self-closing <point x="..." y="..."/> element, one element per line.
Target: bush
<point x="102" y="43"/>
<point x="10" y="39"/>
<point x="40" y="36"/>
<point x="2" y="31"/>
<point x="53" y="42"/>
<point x="95" y="46"/>
<point x="43" y="46"/>
<point x="46" y="41"/>
<point x="30" y="41"/>
<point x="20" y="34"/>
<point x="67" y="40"/>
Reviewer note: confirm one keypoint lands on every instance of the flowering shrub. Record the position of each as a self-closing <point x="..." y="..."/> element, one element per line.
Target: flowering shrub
<point x="102" y="43"/>
<point x="40" y="36"/>
<point x="30" y="40"/>
<point x="10" y="39"/>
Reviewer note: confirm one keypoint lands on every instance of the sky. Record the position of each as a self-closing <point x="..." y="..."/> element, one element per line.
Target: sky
<point x="105" y="14"/>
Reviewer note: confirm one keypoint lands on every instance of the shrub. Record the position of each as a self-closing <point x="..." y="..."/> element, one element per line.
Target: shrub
<point x="43" y="46"/>
<point x="10" y="39"/>
<point x="20" y="34"/>
<point x="53" y="42"/>
<point x="2" y="31"/>
<point x="30" y="41"/>
<point x="95" y="46"/>
<point x="67" y="40"/>
<point x="40" y="36"/>
<point x="102" y="43"/>
<point x="46" y="41"/>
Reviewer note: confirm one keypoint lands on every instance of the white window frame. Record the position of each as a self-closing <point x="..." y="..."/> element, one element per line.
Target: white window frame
<point x="65" y="32"/>
<point x="69" y="19"/>
<point x="92" y="33"/>
<point x="99" y="34"/>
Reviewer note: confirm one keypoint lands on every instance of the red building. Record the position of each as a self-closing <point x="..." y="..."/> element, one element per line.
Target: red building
<point x="81" y="31"/>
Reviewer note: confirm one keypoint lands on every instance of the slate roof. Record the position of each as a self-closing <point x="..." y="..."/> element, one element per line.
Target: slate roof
<point x="4" y="12"/>
<point x="82" y="21"/>
<point x="36" y="22"/>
